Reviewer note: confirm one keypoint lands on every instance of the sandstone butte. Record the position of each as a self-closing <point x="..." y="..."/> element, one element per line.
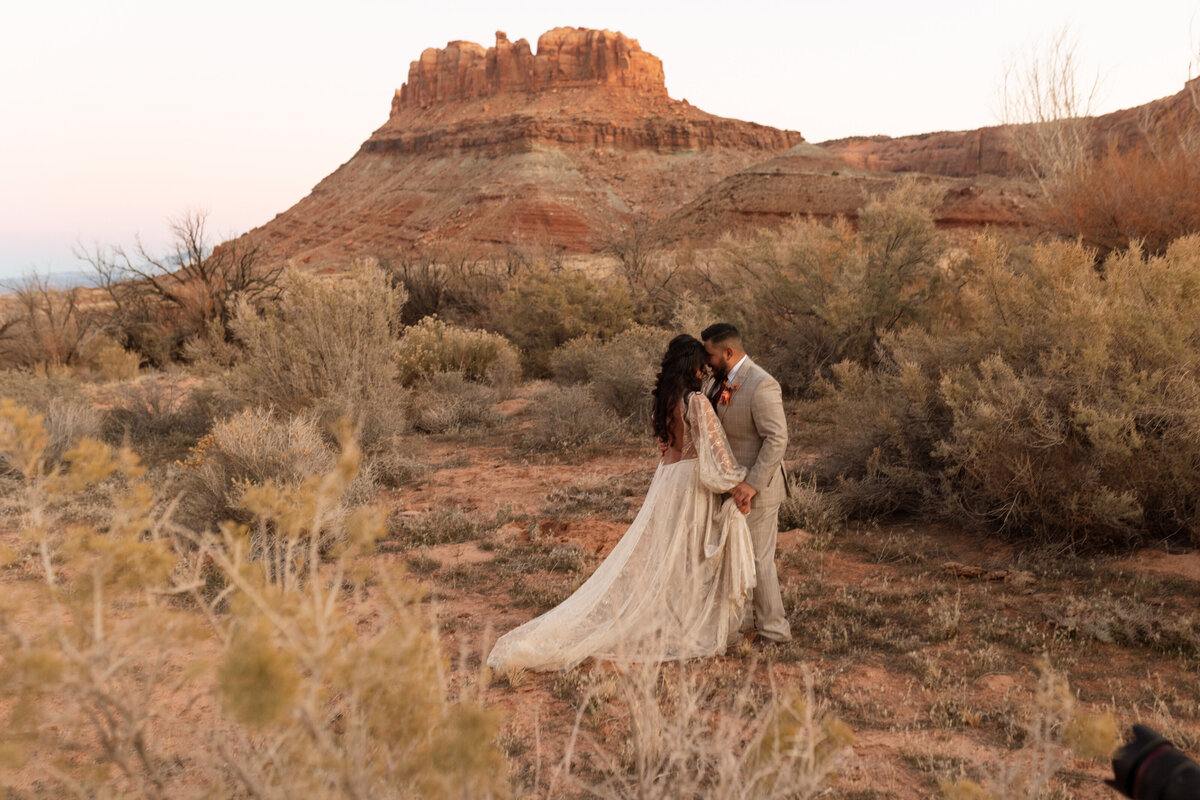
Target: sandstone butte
<point x="560" y="148"/>
<point x="505" y="146"/>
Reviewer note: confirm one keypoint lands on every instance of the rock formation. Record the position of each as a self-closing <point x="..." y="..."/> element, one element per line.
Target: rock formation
<point x="566" y="58"/>
<point x="809" y="181"/>
<point x="989" y="151"/>
<point x="979" y="171"/>
<point x="583" y="88"/>
<point x="959" y="154"/>
<point x="504" y="146"/>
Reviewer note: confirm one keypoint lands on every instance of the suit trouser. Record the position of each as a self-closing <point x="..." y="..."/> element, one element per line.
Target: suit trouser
<point x="769" y="617"/>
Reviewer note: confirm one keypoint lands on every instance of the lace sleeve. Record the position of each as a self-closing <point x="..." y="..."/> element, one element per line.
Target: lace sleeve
<point x="719" y="471"/>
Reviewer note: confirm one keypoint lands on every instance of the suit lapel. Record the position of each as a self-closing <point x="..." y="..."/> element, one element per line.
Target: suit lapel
<point x="743" y="377"/>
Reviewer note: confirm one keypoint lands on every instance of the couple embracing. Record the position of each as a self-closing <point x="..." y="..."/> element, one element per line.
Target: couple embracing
<point x="697" y="565"/>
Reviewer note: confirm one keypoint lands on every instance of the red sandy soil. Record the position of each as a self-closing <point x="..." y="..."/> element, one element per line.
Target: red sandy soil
<point x="909" y="727"/>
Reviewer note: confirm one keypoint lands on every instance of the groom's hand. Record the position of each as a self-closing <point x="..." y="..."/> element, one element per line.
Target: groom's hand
<point x="742" y="494"/>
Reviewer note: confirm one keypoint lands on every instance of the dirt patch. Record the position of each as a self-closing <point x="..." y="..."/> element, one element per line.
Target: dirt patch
<point x="1158" y="562"/>
<point x="492" y="481"/>
<point x="456" y="555"/>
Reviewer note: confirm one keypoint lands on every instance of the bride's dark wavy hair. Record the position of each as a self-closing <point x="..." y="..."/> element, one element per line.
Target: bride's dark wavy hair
<point x="676" y="377"/>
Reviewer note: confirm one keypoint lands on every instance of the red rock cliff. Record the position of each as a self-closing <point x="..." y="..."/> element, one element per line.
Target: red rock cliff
<point x="582" y="89"/>
<point x="566" y="58"/>
<point x="496" y="147"/>
<point x="989" y="151"/>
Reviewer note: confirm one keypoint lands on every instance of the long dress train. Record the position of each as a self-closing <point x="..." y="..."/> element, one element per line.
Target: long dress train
<point x="677" y="584"/>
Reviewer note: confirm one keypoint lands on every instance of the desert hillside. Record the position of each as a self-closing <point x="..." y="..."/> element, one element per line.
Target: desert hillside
<point x="504" y="146"/>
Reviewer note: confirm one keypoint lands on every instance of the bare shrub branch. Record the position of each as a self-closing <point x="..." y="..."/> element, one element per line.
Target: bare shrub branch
<point x="1047" y="108"/>
<point x="44" y="325"/>
<point x="160" y="301"/>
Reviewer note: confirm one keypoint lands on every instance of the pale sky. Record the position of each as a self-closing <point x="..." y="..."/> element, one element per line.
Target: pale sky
<point x="116" y="114"/>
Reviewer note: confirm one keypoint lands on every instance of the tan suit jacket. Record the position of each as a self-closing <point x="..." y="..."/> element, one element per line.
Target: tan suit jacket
<point x="756" y="426"/>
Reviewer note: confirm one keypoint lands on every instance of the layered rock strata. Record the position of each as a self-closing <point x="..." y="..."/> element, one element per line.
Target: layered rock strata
<point x="583" y="88"/>
<point x="504" y="146"/>
<point x="990" y="151"/>
<point x="566" y="58"/>
<point x="808" y="181"/>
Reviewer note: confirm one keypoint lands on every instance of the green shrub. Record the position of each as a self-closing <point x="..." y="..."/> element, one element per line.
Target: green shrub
<point x="209" y="352"/>
<point x="622" y="375"/>
<point x="810" y="295"/>
<point x="541" y="309"/>
<point x="568" y="419"/>
<point x="433" y="346"/>
<point x="883" y="428"/>
<point x="572" y="362"/>
<point x="328" y="345"/>
<point x="1057" y="401"/>
<point x="620" y="371"/>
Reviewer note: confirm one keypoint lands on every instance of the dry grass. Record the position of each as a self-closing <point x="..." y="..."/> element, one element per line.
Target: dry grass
<point x="659" y="731"/>
<point x="159" y="418"/>
<point x="807" y="507"/>
<point x="250" y="449"/>
<point x="593" y="497"/>
<point x="447" y="403"/>
<point x="444" y="526"/>
<point x="328" y="346"/>
<point x="568" y="420"/>
<point x="303" y="686"/>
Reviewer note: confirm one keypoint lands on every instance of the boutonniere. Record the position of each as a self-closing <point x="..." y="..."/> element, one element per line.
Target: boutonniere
<point x="727" y="394"/>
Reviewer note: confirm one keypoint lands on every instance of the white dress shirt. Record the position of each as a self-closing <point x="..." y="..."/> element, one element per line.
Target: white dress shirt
<point x="733" y="372"/>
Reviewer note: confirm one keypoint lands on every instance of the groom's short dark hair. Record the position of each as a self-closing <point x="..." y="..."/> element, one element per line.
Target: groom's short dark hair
<point x="721" y="333"/>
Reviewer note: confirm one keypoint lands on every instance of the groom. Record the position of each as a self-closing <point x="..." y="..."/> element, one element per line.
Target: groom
<point x="749" y="403"/>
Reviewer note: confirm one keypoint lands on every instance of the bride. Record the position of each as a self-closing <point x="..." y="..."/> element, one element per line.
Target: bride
<point x="678" y="583"/>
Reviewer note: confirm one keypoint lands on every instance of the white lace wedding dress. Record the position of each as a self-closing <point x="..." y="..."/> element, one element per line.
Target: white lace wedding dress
<point x="677" y="584"/>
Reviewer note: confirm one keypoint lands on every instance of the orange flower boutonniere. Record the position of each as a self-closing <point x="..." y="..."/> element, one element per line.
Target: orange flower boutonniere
<point x="727" y="394"/>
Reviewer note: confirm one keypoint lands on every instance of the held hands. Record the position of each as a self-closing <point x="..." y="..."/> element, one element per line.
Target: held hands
<point x="742" y="494"/>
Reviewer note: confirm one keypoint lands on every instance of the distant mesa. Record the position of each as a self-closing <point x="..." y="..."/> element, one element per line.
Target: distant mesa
<point x="988" y="151"/>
